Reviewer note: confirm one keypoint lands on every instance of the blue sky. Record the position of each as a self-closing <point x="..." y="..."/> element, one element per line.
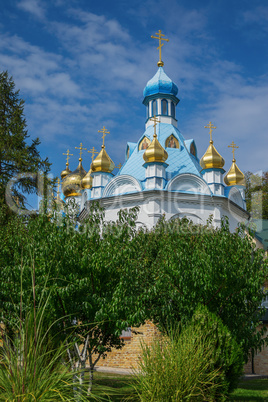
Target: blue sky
<point x="82" y="64"/>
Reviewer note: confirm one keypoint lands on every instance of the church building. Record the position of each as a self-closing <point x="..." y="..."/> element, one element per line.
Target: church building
<point x="163" y="176"/>
<point x="162" y="173"/>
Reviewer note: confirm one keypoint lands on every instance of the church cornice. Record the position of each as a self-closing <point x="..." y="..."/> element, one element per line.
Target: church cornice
<point x="128" y="200"/>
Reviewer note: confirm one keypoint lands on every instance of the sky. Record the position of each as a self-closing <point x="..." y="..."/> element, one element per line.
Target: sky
<point x="83" y="64"/>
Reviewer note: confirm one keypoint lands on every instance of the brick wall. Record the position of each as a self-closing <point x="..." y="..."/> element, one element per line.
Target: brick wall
<point x="128" y="356"/>
<point x="260" y="362"/>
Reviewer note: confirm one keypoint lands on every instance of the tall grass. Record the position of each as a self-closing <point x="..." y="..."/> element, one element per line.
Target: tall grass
<point x="33" y="368"/>
<point x="178" y="368"/>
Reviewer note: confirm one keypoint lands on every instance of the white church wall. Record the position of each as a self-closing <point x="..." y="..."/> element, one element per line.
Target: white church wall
<point x="153" y="204"/>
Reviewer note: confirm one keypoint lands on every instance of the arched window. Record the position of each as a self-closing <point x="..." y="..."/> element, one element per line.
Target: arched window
<point x="172" y="109"/>
<point x="164" y="105"/>
<point x="172" y="142"/>
<point x="144" y="143"/>
<point x="147" y="112"/>
<point x="154" y="108"/>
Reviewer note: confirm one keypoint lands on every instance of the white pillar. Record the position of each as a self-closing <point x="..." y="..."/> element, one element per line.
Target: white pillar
<point x="100" y="180"/>
<point x="155" y="175"/>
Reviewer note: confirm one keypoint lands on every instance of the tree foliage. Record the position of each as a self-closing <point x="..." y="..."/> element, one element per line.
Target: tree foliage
<point x="257" y="195"/>
<point x="18" y="156"/>
<point x="181" y="265"/>
<point x="106" y="276"/>
<point x="81" y="269"/>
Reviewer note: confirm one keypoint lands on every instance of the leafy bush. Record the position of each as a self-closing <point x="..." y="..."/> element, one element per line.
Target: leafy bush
<point x="228" y="355"/>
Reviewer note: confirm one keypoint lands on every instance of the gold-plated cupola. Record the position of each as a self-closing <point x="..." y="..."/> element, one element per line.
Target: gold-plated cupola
<point x="71" y="185"/>
<point x="234" y="175"/>
<point x="155" y="152"/>
<point x="103" y="162"/>
<point x="58" y="201"/>
<point x="211" y="158"/>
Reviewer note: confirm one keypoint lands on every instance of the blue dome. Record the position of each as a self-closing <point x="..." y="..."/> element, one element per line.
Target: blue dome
<point x="160" y="84"/>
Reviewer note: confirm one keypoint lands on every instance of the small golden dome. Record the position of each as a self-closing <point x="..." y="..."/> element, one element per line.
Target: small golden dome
<point x="87" y="180"/>
<point x="59" y="202"/>
<point x="234" y="176"/>
<point x="155" y="152"/>
<point x="103" y="162"/>
<point x="211" y="158"/>
<point x="66" y="171"/>
<point x="71" y="185"/>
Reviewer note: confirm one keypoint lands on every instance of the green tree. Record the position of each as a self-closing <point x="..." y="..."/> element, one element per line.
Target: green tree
<point x="257" y="195"/>
<point x="18" y="156"/>
<point x="81" y="268"/>
<point x="180" y="265"/>
<point x="104" y="277"/>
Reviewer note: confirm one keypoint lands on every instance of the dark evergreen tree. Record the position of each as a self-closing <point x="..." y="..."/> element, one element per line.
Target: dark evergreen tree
<point x="19" y="155"/>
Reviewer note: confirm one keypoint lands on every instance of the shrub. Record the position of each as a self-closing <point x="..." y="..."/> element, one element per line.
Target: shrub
<point x="177" y="367"/>
<point x="228" y="355"/>
<point x="200" y="361"/>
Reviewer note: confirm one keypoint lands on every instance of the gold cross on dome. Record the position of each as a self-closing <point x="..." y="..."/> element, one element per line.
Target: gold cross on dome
<point x="68" y="156"/>
<point x="93" y="151"/>
<point x="160" y="37"/>
<point x="104" y="132"/>
<point x="211" y="127"/>
<point x="81" y="149"/>
<point x="119" y="166"/>
<point x="154" y="119"/>
<point x="234" y="146"/>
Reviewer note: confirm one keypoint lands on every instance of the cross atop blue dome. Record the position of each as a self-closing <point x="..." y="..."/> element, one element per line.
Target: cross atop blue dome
<point x="160" y="84"/>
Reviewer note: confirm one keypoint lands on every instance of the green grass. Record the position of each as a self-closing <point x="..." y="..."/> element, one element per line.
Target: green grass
<point x="118" y="383"/>
<point x="251" y="390"/>
<point x="248" y="390"/>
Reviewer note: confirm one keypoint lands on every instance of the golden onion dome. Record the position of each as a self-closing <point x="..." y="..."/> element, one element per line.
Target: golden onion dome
<point x="71" y="185"/>
<point x="234" y="176"/>
<point x="66" y="171"/>
<point x="87" y="180"/>
<point x="103" y="162"/>
<point x="59" y="202"/>
<point x="211" y="158"/>
<point x="155" y="152"/>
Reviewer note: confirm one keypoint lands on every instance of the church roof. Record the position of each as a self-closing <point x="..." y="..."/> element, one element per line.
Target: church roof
<point x="179" y="159"/>
<point x="160" y="84"/>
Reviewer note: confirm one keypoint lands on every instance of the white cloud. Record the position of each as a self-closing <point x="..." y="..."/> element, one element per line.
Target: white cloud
<point x="36" y="71"/>
<point x="257" y="16"/>
<point x="34" y="7"/>
<point x="240" y="116"/>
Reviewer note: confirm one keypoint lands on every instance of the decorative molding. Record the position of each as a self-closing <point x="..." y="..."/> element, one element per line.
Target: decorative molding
<point x="192" y="217"/>
<point x="122" y="184"/>
<point x="189" y="183"/>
